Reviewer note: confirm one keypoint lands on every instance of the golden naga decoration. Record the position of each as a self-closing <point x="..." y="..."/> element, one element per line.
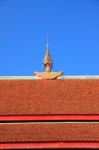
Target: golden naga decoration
<point x="48" y="64"/>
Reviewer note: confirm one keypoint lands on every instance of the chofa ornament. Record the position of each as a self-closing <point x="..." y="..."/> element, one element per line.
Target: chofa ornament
<point x="48" y="64"/>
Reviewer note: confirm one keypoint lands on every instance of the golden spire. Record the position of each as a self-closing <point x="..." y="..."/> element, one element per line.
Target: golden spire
<point x="48" y="64"/>
<point x="47" y="61"/>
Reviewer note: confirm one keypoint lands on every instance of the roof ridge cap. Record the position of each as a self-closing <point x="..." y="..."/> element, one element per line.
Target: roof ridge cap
<point x="62" y="77"/>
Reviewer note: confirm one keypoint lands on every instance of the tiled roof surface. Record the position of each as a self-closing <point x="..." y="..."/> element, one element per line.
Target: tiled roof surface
<point x="47" y="132"/>
<point x="64" y="96"/>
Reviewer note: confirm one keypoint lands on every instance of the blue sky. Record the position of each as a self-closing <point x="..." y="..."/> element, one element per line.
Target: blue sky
<point x="71" y="25"/>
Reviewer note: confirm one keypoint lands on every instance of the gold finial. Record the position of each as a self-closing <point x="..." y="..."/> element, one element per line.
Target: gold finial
<point x="47" y="61"/>
<point x="48" y="64"/>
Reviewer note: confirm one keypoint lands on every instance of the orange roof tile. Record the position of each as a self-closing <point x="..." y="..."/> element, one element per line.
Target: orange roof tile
<point x="65" y="96"/>
<point x="49" y="132"/>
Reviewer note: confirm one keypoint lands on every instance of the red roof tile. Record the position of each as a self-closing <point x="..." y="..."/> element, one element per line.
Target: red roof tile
<point x="49" y="132"/>
<point x="65" y="96"/>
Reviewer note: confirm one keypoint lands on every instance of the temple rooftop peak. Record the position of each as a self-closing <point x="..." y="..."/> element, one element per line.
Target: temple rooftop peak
<point x="48" y="64"/>
<point x="47" y="61"/>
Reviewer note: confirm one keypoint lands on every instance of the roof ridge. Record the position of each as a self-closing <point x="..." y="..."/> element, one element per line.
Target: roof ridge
<point x="62" y="77"/>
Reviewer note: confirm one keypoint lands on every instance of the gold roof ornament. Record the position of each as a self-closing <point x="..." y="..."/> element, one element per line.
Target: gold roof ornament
<point x="48" y="64"/>
<point x="47" y="61"/>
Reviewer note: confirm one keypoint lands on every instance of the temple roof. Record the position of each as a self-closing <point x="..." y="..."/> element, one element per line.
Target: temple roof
<point x="67" y="95"/>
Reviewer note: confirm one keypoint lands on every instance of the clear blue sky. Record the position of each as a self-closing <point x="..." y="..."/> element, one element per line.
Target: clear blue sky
<point x="72" y="27"/>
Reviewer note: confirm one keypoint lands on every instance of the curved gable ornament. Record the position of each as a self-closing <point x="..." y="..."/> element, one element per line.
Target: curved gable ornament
<point x="48" y="64"/>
